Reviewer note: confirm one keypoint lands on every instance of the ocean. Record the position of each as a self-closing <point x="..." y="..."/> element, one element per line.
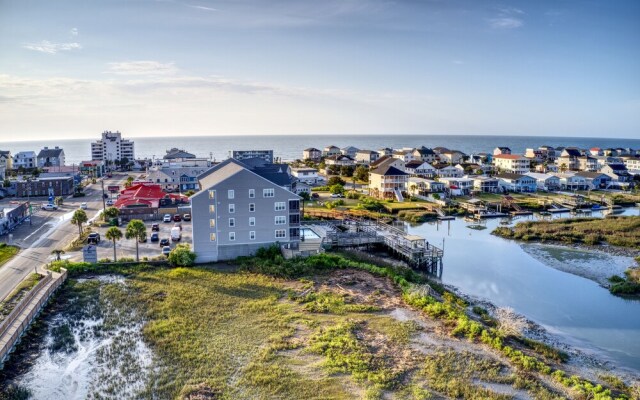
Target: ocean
<point x="290" y="147"/>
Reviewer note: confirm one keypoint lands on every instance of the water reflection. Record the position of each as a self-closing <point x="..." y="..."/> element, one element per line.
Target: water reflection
<point x="500" y="271"/>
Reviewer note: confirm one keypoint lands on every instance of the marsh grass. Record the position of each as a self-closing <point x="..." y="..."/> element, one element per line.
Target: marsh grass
<point x="616" y="231"/>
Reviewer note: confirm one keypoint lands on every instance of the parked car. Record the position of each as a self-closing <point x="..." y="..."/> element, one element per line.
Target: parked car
<point x="93" y="238"/>
<point x="337" y="195"/>
<point x="315" y="196"/>
<point x="83" y="206"/>
<point x="155" y="237"/>
<point x="177" y="218"/>
<point x="176" y="235"/>
<point x="186" y="217"/>
<point x="110" y="203"/>
<point x="164" y="242"/>
<point x="166" y="218"/>
<point x="155" y="227"/>
<point x="49" y="207"/>
<point x="166" y="250"/>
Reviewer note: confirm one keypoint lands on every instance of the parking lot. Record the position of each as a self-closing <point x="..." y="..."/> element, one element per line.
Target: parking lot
<point x="127" y="247"/>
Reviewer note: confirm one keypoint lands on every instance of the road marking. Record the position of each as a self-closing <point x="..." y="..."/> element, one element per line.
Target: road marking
<point x="33" y="233"/>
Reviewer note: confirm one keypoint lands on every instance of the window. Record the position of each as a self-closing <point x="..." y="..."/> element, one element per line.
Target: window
<point x="212" y="208"/>
<point x="212" y="223"/>
<point x="232" y="236"/>
<point x="281" y="220"/>
<point x="281" y="233"/>
<point x="252" y="193"/>
<point x="294" y="204"/>
<point x="252" y="235"/>
<point x="268" y="192"/>
<point x="279" y="206"/>
<point x="231" y="194"/>
<point x="212" y="237"/>
<point x="252" y="221"/>
<point x="294" y="233"/>
<point x="252" y="207"/>
<point x="232" y="222"/>
<point x="212" y="194"/>
<point x="294" y="218"/>
<point x="232" y="208"/>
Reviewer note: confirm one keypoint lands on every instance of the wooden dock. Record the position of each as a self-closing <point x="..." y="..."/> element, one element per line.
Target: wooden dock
<point x="358" y="232"/>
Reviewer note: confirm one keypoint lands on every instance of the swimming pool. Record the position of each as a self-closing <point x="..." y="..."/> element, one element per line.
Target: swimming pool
<point x="306" y="233"/>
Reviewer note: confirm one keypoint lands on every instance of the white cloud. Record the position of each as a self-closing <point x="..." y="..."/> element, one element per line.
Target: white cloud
<point x="52" y="48"/>
<point x="506" y="23"/>
<point x="203" y="8"/>
<point x="142" y="68"/>
<point x="74" y="31"/>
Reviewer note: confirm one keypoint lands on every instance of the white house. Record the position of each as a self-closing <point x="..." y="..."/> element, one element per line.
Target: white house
<point x="331" y="151"/>
<point x="51" y="157"/>
<point x="572" y="181"/>
<point x="511" y="164"/>
<point x="312" y="154"/>
<point x="447" y="171"/>
<point x="424" y="154"/>
<point x="349" y="151"/>
<point x="340" y="160"/>
<point x="458" y="186"/>
<point x="516" y="182"/>
<point x="420" y="168"/>
<point x="366" y="157"/>
<point x="485" y="184"/>
<point x="386" y="181"/>
<point x="545" y="181"/>
<point x="404" y="155"/>
<point x="424" y="187"/>
<point x="25" y="159"/>
<point x="306" y="175"/>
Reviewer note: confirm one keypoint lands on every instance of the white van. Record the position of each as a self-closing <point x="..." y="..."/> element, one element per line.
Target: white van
<point x="176" y="235"/>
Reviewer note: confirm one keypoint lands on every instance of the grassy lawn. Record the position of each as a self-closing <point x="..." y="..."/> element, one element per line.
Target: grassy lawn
<point x="7" y="252"/>
<point x="406" y="205"/>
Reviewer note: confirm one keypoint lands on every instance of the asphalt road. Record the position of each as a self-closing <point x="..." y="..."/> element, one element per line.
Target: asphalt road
<point x="49" y="230"/>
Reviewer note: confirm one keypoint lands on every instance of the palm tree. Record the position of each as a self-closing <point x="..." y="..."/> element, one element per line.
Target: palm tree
<point x="136" y="230"/>
<point x="114" y="234"/>
<point x="79" y="217"/>
<point x="57" y="253"/>
<point x="110" y="212"/>
<point x="563" y="167"/>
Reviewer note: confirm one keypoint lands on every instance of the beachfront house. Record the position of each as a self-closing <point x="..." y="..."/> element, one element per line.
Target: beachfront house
<point x="50" y="157"/>
<point x="331" y="151"/>
<point x="349" y="151"/>
<point x="238" y="212"/>
<point x="339" y="160"/>
<point x="516" y="183"/>
<point x="312" y="154"/>
<point x="386" y="181"/>
<point x="501" y="150"/>
<point x="572" y="181"/>
<point x="452" y="157"/>
<point x="404" y="155"/>
<point x="618" y="172"/>
<point x="447" y="171"/>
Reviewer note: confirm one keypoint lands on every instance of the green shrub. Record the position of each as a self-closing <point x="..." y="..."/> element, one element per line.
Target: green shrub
<point x="182" y="256"/>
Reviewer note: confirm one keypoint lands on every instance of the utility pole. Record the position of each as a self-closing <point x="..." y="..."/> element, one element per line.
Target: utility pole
<point x="104" y="205"/>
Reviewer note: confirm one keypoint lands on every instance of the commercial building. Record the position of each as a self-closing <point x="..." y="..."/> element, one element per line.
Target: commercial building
<point x="266" y="155"/>
<point x="239" y="211"/>
<point x="112" y="147"/>
<point x="44" y="186"/>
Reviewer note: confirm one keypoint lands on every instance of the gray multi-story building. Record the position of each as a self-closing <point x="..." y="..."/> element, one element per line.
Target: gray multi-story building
<point x="266" y="155"/>
<point x="238" y="211"/>
<point x="51" y="157"/>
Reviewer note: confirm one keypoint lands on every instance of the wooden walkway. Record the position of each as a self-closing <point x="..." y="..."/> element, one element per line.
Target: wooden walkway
<point x="17" y="322"/>
<point x="356" y="232"/>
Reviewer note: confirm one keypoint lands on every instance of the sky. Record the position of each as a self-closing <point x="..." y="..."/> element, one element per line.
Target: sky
<point x="74" y="68"/>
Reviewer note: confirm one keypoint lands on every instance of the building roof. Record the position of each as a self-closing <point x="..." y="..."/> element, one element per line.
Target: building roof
<point x="381" y="160"/>
<point x="386" y="168"/>
<point x="177" y="153"/>
<point x="540" y="176"/>
<point x="502" y="148"/>
<point x="340" y="157"/>
<point x="367" y="152"/>
<point x="509" y="176"/>
<point x="5" y="153"/>
<point x="310" y="149"/>
<point x="331" y="148"/>
<point x="590" y="174"/>
<point x="147" y="194"/>
<point x="572" y="152"/>
<point x="617" y="167"/>
<point x="349" y="148"/>
<point x="424" y="151"/>
<point x="414" y="164"/>
<point x="25" y="154"/>
<point x="47" y="152"/>
<point x="508" y="156"/>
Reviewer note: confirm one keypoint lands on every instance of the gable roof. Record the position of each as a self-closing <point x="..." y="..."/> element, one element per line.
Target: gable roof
<point x="229" y="168"/>
<point x="414" y="164"/>
<point x="380" y="160"/>
<point x="589" y="174"/>
<point x="50" y="153"/>
<point x="177" y="153"/>
<point x="310" y="149"/>
<point x="508" y="156"/>
<point x="424" y="151"/>
<point x="510" y="176"/>
<point x="386" y="168"/>
<point x="572" y="152"/>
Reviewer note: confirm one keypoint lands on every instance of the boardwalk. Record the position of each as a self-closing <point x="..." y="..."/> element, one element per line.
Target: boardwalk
<point x="17" y="322"/>
<point x="346" y="230"/>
